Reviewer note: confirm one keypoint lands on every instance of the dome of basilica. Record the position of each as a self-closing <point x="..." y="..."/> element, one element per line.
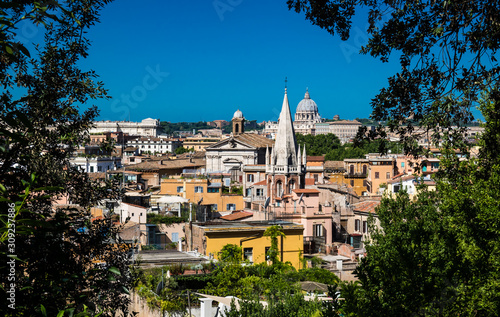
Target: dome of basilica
<point x="307" y="104"/>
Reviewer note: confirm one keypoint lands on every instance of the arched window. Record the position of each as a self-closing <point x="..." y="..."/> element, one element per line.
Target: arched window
<point x="279" y="188"/>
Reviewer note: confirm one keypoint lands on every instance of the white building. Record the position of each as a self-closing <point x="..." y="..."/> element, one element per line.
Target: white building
<point x="147" y="127"/>
<point x="135" y="213"/>
<point x="345" y="130"/>
<point x="155" y="145"/>
<point x="96" y="164"/>
<point x="241" y="149"/>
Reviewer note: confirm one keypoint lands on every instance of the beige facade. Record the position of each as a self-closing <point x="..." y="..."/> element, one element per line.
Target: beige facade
<point x="147" y="127"/>
<point x="345" y="130"/>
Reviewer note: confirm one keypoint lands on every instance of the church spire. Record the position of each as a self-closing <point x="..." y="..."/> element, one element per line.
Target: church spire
<point x="286" y="144"/>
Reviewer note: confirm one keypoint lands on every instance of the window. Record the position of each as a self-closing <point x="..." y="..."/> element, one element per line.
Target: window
<point x="351" y="169"/>
<point x="99" y="168"/>
<point x="214" y="207"/>
<point x="279" y="188"/>
<point x="132" y="214"/>
<point x="260" y="191"/>
<point x="377" y="175"/>
<point x="92" y="169"/>
<point x="250" y="178"/>
<point x="212" y="190"/>
<point x="248" y="254"/>
<point x="132" y="160"/>
<point x="396" y="188"/>
<point x="387" y="175"/>
<point x="356" y="225"/>
<point x="198" y="189"/>
<point x="175" y="237"/>
<point x="231" y="207"/>
<point x="402" y="164"/>
<point x="365" y="170"/>
<point x="365" y="183"/>
<point x="249" y="192"/>
<point x="318" y="230"/>
<point x="365" y="226"/>
<point x="180" y="189"/>
<point x="352" y="182"/>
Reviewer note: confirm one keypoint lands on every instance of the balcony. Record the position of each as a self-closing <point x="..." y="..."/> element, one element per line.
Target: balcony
<point x="356" y="175"/>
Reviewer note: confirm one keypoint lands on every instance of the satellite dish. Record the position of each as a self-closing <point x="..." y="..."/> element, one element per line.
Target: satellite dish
<point x="266" y="204"/>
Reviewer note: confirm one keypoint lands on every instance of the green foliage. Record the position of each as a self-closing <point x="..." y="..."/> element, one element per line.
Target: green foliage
<point x="433" y="90"/>
<point x="170" y="128"/>
<point x="181" y="150"/>
<point x="167" y="220"/>
<point x="318" y="144"/>
<point x="274" y="232"/>
<point x="329" y="146"/>
<point x="230" y="253"/>
<point x="65" y="263"/>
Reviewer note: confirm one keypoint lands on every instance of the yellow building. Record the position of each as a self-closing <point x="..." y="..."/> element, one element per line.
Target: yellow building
<point x="199" y="143"/>
<point x="195" y="189"/>
<point x="209" y="238"/>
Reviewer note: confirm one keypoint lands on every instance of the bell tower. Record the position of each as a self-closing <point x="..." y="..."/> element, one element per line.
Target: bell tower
<point x="238" y="122"/>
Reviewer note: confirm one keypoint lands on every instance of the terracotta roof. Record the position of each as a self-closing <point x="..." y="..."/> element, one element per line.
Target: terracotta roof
<point x="314" y="163"/>
<point x="261" y="183"/>
<point x="310" y="181"/>
<point x="396" y="180"/>
<point x="334" y="165"/>
<point x="237" y="215"/>
<point x="97" y="176"/>
<point x="166" y="164"/>
<point x="315" y="159"/>
<point x="366" y="206"/>
<point x="306" y="191"/>
<point x="254" y="140"/>
<point x="356" y="122"/>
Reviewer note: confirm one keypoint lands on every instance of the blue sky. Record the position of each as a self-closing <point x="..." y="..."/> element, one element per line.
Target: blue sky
<point x="203" y="60"/>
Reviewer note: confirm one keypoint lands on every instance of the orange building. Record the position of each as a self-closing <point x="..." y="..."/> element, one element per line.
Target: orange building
<point x="202" y="191"/>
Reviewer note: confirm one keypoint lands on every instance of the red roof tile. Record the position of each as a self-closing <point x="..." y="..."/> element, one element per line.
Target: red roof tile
<point x="306" y="191"/>
<point x="264" y="182"/>
<point x="237" y="215"/>
<point x="366" y="206"/>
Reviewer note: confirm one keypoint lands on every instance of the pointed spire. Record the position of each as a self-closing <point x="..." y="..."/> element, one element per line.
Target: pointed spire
<point x="286" y="144"/>
<point x="298" y="157"/>
<point x="267" y="155"/>
<point x="304" y="156"/>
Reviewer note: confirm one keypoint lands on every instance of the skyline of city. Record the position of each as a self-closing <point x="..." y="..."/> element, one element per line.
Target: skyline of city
<point x="216" y="57"/>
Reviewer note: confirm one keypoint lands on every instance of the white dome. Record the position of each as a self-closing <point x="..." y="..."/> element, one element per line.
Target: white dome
<point x="307" y="104"/>
<point x="238" y="114"/>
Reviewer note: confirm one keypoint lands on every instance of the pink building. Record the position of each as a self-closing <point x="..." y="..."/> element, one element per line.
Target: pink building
<point x="303" y="206"/>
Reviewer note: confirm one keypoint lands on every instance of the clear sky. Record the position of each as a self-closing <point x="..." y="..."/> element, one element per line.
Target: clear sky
<point x="202" y="60"/>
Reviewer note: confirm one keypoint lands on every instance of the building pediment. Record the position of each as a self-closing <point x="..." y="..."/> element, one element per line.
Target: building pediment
<point x="230" y="144"/>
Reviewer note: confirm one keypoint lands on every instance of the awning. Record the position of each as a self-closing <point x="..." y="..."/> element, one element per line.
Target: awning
<point x="172" y="200"/>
